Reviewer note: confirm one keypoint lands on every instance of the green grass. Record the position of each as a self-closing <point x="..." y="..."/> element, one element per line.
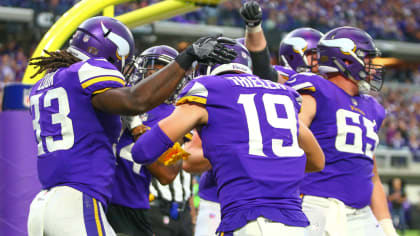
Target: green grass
<point x="410" y="233"/>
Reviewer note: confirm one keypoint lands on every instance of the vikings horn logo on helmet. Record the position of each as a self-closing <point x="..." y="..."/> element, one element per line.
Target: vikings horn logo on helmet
<point x="299" y="44"/>
<point x="123" y="47"/>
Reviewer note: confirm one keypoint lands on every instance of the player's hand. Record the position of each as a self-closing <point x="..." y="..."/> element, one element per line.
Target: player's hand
<point x="211" y="49"/>
<point x="251" y="13"/>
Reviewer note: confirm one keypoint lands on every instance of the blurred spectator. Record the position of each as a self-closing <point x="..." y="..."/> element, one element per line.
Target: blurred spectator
<point x="391" y="131"/>
<point x="401" y="127"/>
<point x="7" y="74"/>
<point x="397" y="198"/>
<point x="416" y="77"/>
<point x="415" y="215"/>
<point x="397" y="141"/>
<point x="413" y="144"/>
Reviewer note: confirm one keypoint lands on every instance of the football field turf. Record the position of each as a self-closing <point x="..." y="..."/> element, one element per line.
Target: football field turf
<point x="410" y="233"/>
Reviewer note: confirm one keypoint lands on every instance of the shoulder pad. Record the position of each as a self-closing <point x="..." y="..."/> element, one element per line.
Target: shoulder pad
<point x="304" y="81"/>
<point x="194" y="91"/>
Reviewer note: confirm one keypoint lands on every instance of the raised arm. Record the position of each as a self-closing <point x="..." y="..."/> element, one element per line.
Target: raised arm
<point x="256" y="43"/>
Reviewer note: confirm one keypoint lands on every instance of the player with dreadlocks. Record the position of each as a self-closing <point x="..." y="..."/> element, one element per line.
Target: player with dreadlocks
<point x="75" y="109"/>
<point x="54" y="61"/>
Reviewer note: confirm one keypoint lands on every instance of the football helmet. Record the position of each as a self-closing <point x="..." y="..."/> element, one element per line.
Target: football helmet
<point x="105" y="37"/>
<point x="241" y="64"/>
<point x="296" y="45"/>
<point x="349" y="51"/>
<point x="147" y="61"/>
<point x="146" y="64"/>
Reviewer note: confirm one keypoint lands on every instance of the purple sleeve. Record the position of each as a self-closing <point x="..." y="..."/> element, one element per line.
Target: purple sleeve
<point x="150" y="146"/>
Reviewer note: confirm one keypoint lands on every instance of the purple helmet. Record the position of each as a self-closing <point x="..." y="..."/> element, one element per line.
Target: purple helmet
<point x="105" y="37"/>
<point x="349" y="51"/>
<point x="241" y="64"/>
<point x="146" y="61"/>
<point x="296" y="45"/>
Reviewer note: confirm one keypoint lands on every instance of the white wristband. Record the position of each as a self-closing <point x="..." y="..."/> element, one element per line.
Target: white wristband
<point x="388" y="227"/>
<point x="254" y="29"/>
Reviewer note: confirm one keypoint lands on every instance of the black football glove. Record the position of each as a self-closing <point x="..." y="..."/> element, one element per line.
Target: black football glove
<point x="209" y="50"/>
<point x="251" y="13"/>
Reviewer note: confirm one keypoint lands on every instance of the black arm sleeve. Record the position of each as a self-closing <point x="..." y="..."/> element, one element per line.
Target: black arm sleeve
<point x="262" y="66"/>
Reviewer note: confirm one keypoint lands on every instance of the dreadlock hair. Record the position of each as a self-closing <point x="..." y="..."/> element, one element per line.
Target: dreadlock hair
<point x="53" y="61"/>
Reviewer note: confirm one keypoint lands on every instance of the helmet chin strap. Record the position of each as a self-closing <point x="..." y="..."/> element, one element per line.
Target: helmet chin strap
<point x="363" y="86"/>
<point x="286" y="64"/>
<point x="122" y="63"/>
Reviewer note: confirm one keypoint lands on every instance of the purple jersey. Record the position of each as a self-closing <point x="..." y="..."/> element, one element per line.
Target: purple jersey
<point x="208" y="187"/>
<point x="132" y="180"/>
<point x="346" y="128"/>
<point x="74" y="139"/>
<point x="251" y="140"/>
<point x="284" y="71"/>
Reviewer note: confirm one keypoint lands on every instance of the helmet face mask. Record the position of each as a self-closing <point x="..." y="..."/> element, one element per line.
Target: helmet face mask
<point x="297" y="46"/>
<point x="349" y="51"/>
<point x="146" y="62"/>
<point x="150" y="61"/>
<point x="105" y="37"/>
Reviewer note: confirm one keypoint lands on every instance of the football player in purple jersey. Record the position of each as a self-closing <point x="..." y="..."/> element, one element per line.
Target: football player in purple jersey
<point x="130" y="190"/>
<point x="252" y="137"/>
<point x="208" y="215"/>
<point x="345" y="197"/>
<point x="297" y="53"/>
<point x="74" y="109"/>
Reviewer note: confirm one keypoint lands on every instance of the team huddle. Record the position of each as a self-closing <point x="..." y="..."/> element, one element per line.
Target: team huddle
<point x="283" y="149"/>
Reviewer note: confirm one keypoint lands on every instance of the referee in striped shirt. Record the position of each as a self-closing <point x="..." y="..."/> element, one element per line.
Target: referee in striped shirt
<point x="170" y="212"/>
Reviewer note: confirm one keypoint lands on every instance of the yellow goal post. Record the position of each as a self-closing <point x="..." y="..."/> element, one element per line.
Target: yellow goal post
<point x="63" y="29"/>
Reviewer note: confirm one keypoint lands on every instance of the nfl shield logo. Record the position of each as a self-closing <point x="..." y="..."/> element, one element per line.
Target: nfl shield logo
<point x="354" y="101"/>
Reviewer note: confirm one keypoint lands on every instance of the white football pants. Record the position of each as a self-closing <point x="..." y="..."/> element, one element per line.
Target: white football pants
<point x="263" y="227"/>
<point x="65" y="211"/>
<point x="331" y="217"/>
<point x="208" y="218"/>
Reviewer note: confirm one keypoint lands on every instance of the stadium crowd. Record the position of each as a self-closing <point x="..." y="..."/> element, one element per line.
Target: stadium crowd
<point x="397" y="19"/>
<point x="401" y="128"/>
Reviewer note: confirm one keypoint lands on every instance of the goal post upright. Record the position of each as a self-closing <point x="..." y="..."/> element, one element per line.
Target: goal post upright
<point x="62" y="30"/>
